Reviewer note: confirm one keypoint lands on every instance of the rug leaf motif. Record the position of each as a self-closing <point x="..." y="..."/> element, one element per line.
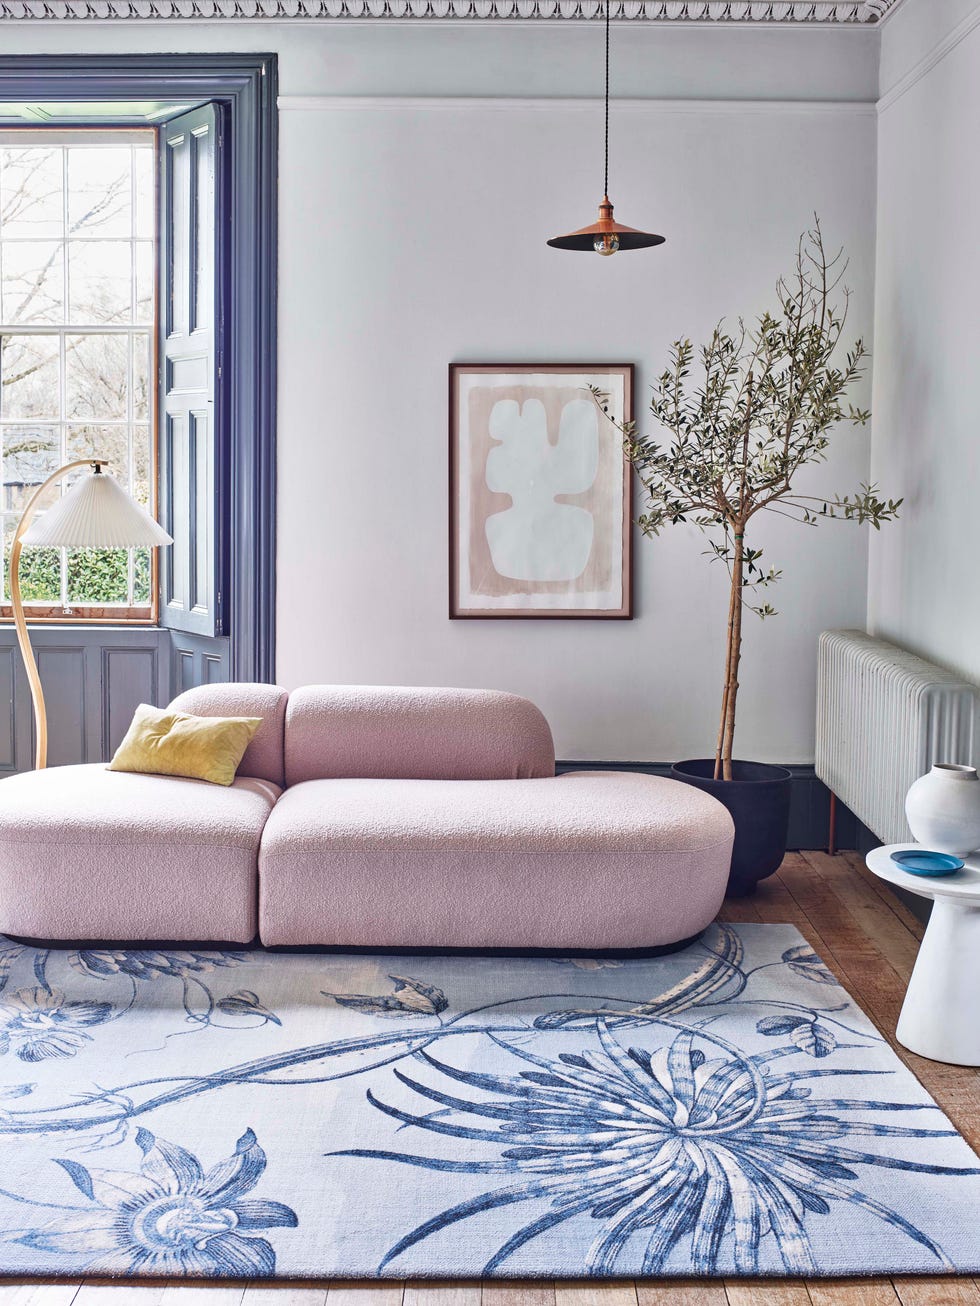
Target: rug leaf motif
<point x="410" y="997"/>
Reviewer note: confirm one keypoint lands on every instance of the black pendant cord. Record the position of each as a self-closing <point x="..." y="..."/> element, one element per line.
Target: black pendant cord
<point x="605" y="184"/>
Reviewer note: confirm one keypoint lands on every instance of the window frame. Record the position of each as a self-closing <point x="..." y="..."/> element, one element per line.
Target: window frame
<point x="248" y="85"/>
<point x="106" y="614"/>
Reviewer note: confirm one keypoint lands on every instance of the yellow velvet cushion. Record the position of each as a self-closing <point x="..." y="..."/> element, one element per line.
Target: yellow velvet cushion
<point x="161" y="742"/>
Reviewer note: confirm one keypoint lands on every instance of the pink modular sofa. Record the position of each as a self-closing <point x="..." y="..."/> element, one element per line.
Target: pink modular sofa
<point x="365" y="817"/>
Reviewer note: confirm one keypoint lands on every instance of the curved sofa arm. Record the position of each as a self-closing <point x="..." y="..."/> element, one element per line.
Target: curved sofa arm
<point x="264" y="757"/>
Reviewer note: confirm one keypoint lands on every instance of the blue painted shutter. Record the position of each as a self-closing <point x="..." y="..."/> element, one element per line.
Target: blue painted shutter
<point x="192" y="420"/>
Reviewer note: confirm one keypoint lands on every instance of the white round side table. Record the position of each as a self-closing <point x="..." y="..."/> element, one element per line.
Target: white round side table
<point x="941" y="1015"/>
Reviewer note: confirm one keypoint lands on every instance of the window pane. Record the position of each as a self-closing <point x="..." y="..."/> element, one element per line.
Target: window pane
<point x="7" y="526"/>
<point x="30" y="379"/>
<point x="99" y="194"/>
<point x="144" y="184"/>
<point x="141" y="379"/>
<point x="40" y="570"/>
<point x="31" y="195"/>
<point x="32" y="285"/>
<point x="141" y="576"/>
<point x="145" y="288"/>
<point x="99" y="281"/>
<point x="30" y="455"/>
<point x="98" y="575"/>
<point x="111" y="442"/>
<point x="97" y="376"/>
<point x="142" y="487"/>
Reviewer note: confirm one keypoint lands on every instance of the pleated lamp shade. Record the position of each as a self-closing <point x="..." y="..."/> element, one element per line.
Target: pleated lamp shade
<point x="96" y="513"/>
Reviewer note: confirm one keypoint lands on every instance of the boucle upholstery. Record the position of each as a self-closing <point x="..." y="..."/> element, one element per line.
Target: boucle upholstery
<point x="590" y="861"/>
<point x="264" y="756"/>
<point x="414" y="818"/>
<point x="384" y="732"/>
<point x="87" y="853"/>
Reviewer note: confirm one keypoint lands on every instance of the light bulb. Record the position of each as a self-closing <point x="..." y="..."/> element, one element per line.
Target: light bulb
<point x="606" y="243"/>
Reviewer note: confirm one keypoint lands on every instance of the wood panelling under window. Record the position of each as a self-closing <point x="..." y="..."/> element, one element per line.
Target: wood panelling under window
<point x="93" y="679"/>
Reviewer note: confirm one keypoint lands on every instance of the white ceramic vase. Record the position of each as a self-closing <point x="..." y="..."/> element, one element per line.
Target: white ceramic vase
<point x="943" y="809"/>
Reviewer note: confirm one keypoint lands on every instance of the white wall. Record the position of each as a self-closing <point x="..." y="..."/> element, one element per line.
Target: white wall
<point x="430" y="225"/>
<point x="924" y="584"/>
<point x="412" y="234"/>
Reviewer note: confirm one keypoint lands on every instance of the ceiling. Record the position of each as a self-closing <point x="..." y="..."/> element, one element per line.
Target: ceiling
<point x="855" y="14"/>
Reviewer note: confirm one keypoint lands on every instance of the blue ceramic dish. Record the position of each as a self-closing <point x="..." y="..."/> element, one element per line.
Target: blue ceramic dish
<point x="918" y="861"/>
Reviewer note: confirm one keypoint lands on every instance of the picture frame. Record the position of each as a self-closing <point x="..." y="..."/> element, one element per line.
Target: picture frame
<point x="540" y="491"/>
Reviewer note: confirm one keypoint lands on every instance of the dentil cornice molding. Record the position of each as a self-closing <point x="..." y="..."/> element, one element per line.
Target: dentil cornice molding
<point x="855" y="13"/>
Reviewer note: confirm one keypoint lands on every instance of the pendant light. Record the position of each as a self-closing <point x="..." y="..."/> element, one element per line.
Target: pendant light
<point x="606" y="236"/>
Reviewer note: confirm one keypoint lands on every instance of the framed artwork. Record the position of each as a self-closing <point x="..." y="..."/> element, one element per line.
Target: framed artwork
<point x="540" y="501"/>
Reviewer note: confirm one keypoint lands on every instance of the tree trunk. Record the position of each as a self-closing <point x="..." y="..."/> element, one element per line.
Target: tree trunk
<point x="719" y="747"/>
<point x="735" y="656"/>
<point x="726" y="734"/>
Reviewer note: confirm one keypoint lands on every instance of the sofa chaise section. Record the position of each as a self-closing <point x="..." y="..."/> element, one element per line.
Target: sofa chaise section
<point x="87" y="853"/>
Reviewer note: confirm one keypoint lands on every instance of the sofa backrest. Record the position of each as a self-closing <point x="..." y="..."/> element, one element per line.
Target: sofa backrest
<point x="390" y="732"/>
<point x="263" y="758"/>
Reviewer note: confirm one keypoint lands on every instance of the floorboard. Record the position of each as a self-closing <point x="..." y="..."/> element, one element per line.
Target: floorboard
<point x="365" y="1294"/>
<point x="297" y="1294"/>
<point x="682" y="1292"/>
<point x="37" y="1294"/>
<point x="499" y="1293"/>
<point x="582" y="1292"/>
<point x="852" y="1292"/>
<point x="464" y="1293"/>
<point x="766" y="1292"/>
<point x="869" y="940"/>
<point x="937" y="1292"/>
<point x="95" y="1292"/>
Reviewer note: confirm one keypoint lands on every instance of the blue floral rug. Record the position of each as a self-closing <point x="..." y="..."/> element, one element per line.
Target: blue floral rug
<point x="727" y="1110"/>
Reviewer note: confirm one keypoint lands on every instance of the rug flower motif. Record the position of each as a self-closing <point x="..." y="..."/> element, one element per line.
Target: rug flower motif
<point x="170" y="1217"/>
<point x="237" y="1114"/>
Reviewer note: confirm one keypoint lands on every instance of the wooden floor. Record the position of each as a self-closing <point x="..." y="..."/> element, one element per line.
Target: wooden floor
<point x="868" y="938"/>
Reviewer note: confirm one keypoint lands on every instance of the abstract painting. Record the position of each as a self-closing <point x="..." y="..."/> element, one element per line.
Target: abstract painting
<point x="539" y="490"/>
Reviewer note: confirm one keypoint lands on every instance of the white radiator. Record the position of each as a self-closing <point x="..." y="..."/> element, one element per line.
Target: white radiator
<point x="883" y="718"/>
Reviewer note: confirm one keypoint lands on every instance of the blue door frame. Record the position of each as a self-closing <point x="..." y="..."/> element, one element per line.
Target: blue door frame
<point x="247" y="84"/>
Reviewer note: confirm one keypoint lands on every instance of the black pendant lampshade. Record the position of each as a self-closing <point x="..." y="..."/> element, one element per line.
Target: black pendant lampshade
<point x="607" y="235"/>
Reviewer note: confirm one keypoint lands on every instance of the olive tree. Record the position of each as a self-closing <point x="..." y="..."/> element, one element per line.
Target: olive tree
<point x="732" y="441"/>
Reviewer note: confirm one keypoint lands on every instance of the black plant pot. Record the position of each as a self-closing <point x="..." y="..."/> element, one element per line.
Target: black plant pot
<point x="757" y="797"/>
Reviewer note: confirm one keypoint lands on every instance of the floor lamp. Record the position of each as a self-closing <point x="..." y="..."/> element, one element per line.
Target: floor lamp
<point x="96" y="513"/>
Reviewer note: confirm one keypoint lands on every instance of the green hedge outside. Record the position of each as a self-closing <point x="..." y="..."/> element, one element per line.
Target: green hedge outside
<point x="94" y="575"/>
